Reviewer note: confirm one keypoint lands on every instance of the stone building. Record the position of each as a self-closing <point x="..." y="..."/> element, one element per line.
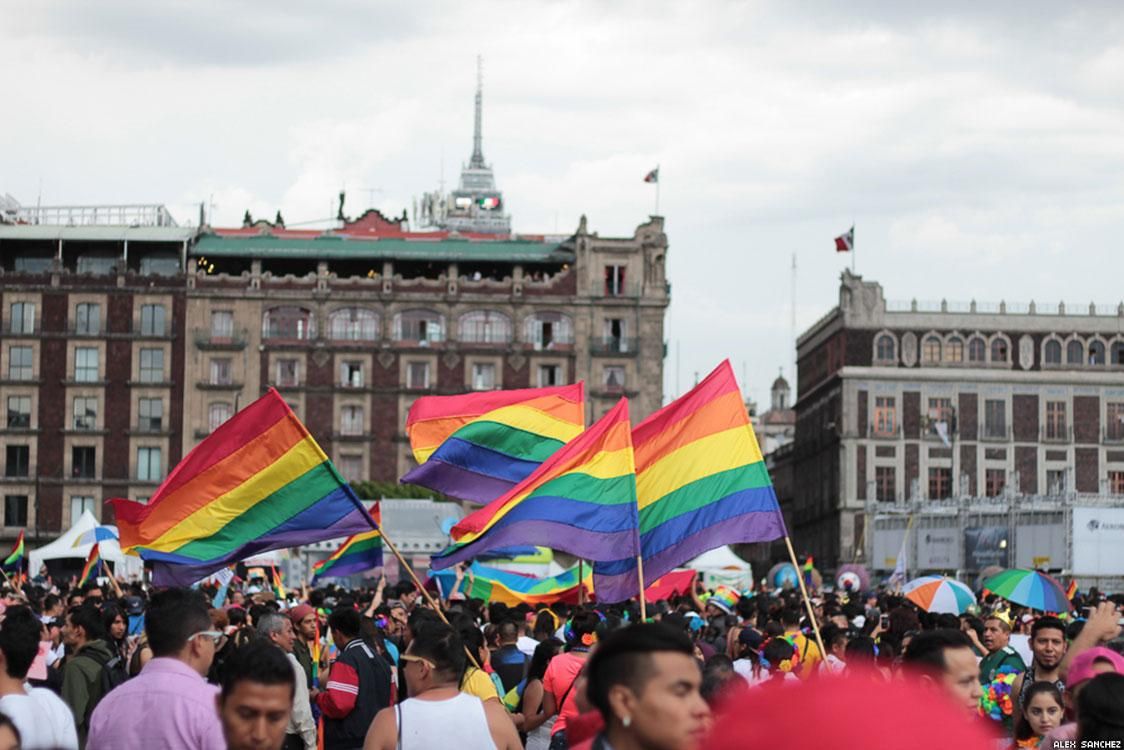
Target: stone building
<point x="913" y="402"/>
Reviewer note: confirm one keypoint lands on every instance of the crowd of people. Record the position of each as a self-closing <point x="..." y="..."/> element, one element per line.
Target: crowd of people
<point x="389" y="668"/>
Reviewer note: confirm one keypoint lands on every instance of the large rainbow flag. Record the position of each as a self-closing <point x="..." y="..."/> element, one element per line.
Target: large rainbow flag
<point x="581" y="500"/>
<point x="92" y="568"/>
<point x="358" y="553"/>
<point x="14" y="561"/>
<point x="478" y="446"/>
<point x="701" y="481"/>
<point x="260" y="482"/>
<point x="494" y="585"/>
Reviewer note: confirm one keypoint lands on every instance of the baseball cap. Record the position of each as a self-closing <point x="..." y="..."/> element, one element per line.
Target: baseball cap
<point x="1081" y="668"/>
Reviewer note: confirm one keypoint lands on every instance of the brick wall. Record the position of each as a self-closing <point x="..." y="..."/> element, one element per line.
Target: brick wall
<point x="1026" y="463"/>
<point x="860" y="472"/>
<point x="861" y="413"/>
<point x="1024" y="410"/>
<point x="967" y="416"/>
<point x="968" y="466"/>
<point x="912" y="467"/>
<point x="911" y="414"/>
<point x="1087" y="469"/>
<point x="1087" y="420"/>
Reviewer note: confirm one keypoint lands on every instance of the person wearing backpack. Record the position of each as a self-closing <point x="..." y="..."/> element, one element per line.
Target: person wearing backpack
<point x="81" y="674"/>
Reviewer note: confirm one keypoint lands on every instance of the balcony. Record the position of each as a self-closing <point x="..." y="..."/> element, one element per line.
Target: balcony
<point x="995" y="433"/>
<point x="19" y="328"/>
<point x="230" y="341"/>
<point x="613" y="346"/>
<point x="206" y="385"/>
<point x="1056" y="434"/>
<point x="884" y="432"/>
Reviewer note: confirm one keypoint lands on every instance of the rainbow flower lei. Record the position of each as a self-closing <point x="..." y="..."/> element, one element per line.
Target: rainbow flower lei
<point x="996" y="703"/>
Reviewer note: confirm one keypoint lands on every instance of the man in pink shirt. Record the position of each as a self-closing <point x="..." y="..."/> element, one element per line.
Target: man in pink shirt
<point x="169" y="704"/>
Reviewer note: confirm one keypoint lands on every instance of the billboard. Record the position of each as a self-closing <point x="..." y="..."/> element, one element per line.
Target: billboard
<point x="1098" y="541"/>
<point x="986" y="545"/>
<point x="1040" y="545"/>
<point x="938" y="548"/>
<point x="887" y="544"/>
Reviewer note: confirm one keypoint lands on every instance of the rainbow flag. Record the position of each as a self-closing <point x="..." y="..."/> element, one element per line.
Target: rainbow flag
<point x="701" y="481"/>
<point x="260" y="482"/>
<point x="494" y="585"/>
<point x="92" y="568"/>
<point x="582" y="500"/>
<point x="358" y="553"/>
<point x="478" y="446"/>
<point x="15" y="559"/>
<point x="1071" y="590"/>
<point x="278" y="586"/>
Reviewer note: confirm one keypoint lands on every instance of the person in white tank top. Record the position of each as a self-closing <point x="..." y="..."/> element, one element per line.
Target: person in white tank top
<point x="437" y="714"/>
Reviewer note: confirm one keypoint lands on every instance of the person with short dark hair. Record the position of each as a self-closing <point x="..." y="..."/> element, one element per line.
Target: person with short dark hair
<point x="645" y="682"/>
<point x="256" y="698"/>
<point x="169" y="704"/>
<point x="1100" y="711"/>
<point x="508" y="661"/>
<point x="1048" y="645"/>
<point x="562" y="673"/>
<point x="358" y="686"/>
<point x="41" y="717"/>
<point x="944" y="658"/>
<point x="81" y="672"/>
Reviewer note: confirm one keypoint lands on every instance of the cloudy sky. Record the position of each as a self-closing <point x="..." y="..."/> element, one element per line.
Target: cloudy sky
<point x="977" y="147"/>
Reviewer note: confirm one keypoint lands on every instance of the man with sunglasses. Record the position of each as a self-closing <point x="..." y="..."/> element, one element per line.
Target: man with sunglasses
<point x="169" y="704"/>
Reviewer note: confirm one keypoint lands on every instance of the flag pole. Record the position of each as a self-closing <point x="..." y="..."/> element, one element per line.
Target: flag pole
<point x="640" y="574"/>
<point x="804" y="594"/>
<point x="581" y="582"/>
<point x="657" y="214"/>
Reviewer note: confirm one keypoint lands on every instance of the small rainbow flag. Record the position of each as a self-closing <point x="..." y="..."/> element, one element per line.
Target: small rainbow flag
<point x="278" y="586"/>
<point x="495" y="585"/>
<point x="15" y="559"/>
<point x="358" y="553"/>
<point x="92" y="569"/>
<point x="478" y="446"/>
<point x="1071" y="590"/>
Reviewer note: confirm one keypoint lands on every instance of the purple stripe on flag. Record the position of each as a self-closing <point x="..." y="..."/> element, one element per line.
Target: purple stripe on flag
<point x="617" y="587"/>
<point x="751" y="527"/>
<point x="350" y="564"/>
<point x="588" y="545"/>
<point x="456" y="481"/>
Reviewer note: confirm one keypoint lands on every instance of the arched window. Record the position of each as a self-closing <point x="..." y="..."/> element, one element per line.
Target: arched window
<point x="484" y="327"/>
<point x="886" y="348"/>
<point x="954" y="350"/>
<point x="977" y="349"/>
<point x="545" y="330"/>
<point x="931" y="350"/>
<point x="353" y="324"/>
<point x="1117" y="353"/>
<point x="1096" y="352"/>
<point x="421" y="326"/>
<point x="999" y="350"/>
<point x="1052" y="352"/>
<point x="287" y="322"/>
<point x="1074" y="353"/>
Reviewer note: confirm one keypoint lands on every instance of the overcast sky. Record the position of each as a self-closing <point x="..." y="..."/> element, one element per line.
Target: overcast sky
<point x="977" y="147"/>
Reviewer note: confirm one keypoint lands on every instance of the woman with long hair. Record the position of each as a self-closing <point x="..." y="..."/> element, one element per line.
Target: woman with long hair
<point x="1100" y="711"/>
<point x="536" y="723"/>
<point x="1042" y="713"/>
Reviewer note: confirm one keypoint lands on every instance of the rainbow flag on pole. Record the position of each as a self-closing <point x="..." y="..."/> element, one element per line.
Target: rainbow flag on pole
<point x="701" y="480"/>
<point x="581" y="500"/>
<point x="494" y="585"/>
<point x="478" y="446"/>
<point x="358" y="553"/>
<point x="92" y="568"/>
<point x="14" y="561"/>
<point x="260" y="482"/>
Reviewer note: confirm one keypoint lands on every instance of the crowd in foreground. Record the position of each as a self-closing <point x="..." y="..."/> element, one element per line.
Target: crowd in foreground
<point x="383" y="669"/>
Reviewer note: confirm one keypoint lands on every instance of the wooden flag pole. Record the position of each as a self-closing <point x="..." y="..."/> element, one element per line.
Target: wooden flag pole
<point x="581" y="582"/>
<point x="640" y="574"/>
<point x="804" y="593"/>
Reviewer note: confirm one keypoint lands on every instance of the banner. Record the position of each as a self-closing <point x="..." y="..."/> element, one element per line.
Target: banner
<point x="986" y="545"/>
<point x="1098" y="541"/>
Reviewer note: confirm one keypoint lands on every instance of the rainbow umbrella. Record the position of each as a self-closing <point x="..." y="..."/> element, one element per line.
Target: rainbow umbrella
<point x="96" y="535"/>
<point x="939" y="594"/>
<point x="1030" y="588"/>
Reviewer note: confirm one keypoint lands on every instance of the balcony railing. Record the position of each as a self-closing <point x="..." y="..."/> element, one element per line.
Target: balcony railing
<point x="995" y="433"/>
<point x="1056" y="434"/>
<point x="230" y="340"/>
<point x="613" y="345"/>
<point x="884" y="431"/>
<point x="1112" y="435"/>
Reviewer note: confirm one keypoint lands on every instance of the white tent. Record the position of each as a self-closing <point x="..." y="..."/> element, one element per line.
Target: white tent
<point x="63" y="547"/>
<point x="722" y="566"/>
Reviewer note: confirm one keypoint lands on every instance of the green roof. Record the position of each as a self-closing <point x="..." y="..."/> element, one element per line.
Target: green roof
<point x="342" y="248"/>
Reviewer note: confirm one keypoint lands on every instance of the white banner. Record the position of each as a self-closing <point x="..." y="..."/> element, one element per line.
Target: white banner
<point x="938" y="548"/>
<point x="1098" y="541"/>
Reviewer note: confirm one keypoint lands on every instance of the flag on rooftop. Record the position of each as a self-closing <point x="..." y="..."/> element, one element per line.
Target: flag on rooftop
<point x="582" y="500"/>
<point x="653" y="176"/>
<point x="478" y="446"/>
<point x="845" y="242"/>
<point x="260" y="482"/>
<point x="701" y="481"/>
<point x="14" y="560"/>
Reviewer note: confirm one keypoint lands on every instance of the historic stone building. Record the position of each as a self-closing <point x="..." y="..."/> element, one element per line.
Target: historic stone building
<point x="914" y="402"/>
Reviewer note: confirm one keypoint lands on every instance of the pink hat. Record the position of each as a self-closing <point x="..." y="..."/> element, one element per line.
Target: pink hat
<point x="299" y="612"/>
<point x="1081" y="668"/>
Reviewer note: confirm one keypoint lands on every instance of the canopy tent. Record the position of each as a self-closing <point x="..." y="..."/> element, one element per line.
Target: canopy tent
<point x="721" y="566"/>
<point x="63" y="547"/>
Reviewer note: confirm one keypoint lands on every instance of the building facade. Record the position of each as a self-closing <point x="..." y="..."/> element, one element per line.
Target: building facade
<point x="910" y="403"/>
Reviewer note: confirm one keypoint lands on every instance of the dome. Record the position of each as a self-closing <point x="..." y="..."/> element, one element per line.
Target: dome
<point x="780" y="383"/>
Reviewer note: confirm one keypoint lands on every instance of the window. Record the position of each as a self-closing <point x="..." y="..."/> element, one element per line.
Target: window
<point x="1055" y="420"/>
<point x="19" y="411"/>
<point x="615" y="335"/>
<point x="351" y="420"/>
<point x="1096" y="353"/>
<point x="85" y="413"/>
<point x="995" y="480"/>
<point x="1116" y="482"/>
<point x="19" y="362"/>
<point x="150" y="415"/>
<point x="79" y="504"/>
<point x="940" y="483"/>
<point x="977" y="349"/>
<point x="614" y="281"/>
<point x="1074" y="353"/>
<point x="149" y="465"/>
<point x="18" y="461"/>
<point x="152" y="320"/>
<point x="151" y="365"/>
<point x="288" y="373"/>
<point x="87" y="318"/>
<point x="931" y="350"/>
<point x="885" y="415"/>
<point x="217" y="414"/>
<point x="15" y="510"/>
<point x="885" y="348"/>
<point x="86" y="364"/>
<point x="421" y="326"/>
<point x="221" y="371"/>
<point x="484" y="327"/>
<point x="614" y="379"/>
<point x="83" y="460"/>
<point x="351" y="466"/>
<point x="549" y="375"/>
<point x="483" y="376"/>
<point x="546" y="329"/>
<point x="1055" y="482"/>
<point x="885" y="484"/>
<point x="21" y="318"/>
<point x="417" y="375"/>
<point x="1052" y="353"/>
<point x="954" y="350"/>
<point x="995" y="418"/>
<point x="1113" y="423"/>
<point x="222" y="325"/>
<point x="940" y="410"/>
<point x="287" y="323"/>
<point x="1117" y="353"/>
<point x="353" y="324"/>
<point x="351" y="374"/>
<point x="999" y="350"/>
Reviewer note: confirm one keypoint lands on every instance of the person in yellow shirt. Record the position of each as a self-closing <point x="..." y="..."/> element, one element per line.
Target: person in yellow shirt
<point x="806" y="647"/>
<point x="476" y="681"/>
